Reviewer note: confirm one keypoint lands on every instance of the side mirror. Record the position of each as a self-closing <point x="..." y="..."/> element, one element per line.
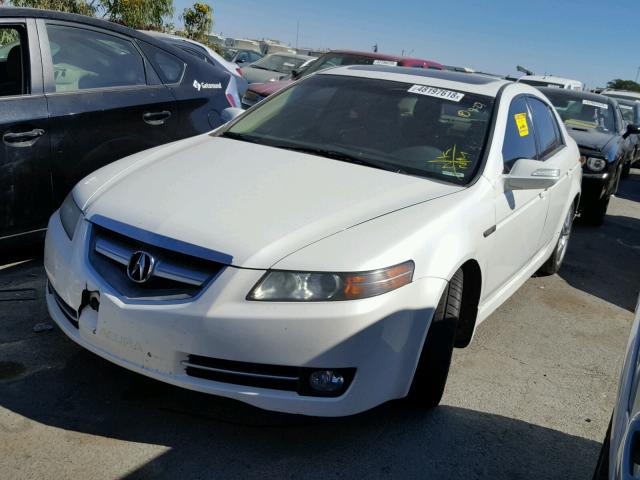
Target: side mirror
<point x="632" y="129"/>
<point x="531" y="175"/>
<point x="295" y="73"/>
<point x="230" y="113"/>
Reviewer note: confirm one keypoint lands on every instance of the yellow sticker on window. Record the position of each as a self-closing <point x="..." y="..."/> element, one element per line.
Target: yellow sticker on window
<point x="521" y="122"/>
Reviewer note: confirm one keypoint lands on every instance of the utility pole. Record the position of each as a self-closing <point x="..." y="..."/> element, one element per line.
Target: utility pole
<point x="297" y="33"/>
<point x="637" y="74"/>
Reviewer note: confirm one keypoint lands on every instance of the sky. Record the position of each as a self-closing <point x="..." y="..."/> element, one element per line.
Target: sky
<point x="590" y="40"/>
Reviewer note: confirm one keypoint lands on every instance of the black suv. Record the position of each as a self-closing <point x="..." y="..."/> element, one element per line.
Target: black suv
<point x="77" y="93"/>
<point x="596" y="124"/>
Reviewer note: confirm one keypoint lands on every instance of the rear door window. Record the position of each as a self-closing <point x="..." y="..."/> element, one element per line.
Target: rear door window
<point x="519" y="139"/>
<point x="546" y="128"/>
<point x="14" y="71"/>
<point x="84" y="59"/>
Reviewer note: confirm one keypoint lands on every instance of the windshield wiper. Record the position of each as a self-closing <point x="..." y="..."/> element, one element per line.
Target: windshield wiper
<point x="241" y="136"/>
<point x="261" y="68"/>
<point x="342" y="156"/>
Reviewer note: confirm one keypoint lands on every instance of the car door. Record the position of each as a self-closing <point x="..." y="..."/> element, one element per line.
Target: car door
<point x="520" y="214"/>
<point x="553" y="152"/>
<point x="105" y="101"/>
<point x="25" y="187"/>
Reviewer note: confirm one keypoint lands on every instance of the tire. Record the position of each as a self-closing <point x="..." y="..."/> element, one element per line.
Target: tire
<point x="602" y="467"/>
<point x="626" y="170"/>
<point x="595" y="213"/>
<point x="554" y="262"/>
<point x="432" y="371"/>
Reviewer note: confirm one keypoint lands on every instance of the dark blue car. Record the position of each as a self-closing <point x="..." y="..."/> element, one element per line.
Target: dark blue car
<point x="77" y="93"/>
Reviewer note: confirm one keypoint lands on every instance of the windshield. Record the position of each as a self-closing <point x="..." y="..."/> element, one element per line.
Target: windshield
<point x="579" y="112"/>
<point x="229" y="54"/>
<point x="341" y="59"/>
<point x="395" y="126"/>
<point x="279" y="63"/>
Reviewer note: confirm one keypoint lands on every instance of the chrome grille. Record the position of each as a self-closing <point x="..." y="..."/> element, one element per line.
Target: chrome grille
<point x="175" y="275"/>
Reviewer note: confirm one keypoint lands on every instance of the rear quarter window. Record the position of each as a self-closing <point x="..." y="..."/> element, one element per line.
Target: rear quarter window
<point x="169" y="67"/>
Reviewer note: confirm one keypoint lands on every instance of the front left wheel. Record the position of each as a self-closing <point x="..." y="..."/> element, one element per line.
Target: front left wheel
<point x="553" y="264"/>
<point x="431" y="374"/>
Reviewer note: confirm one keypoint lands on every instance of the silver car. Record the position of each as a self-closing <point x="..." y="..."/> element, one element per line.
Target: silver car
<point x="620" y="454"/>
<point x="274" y="67"/>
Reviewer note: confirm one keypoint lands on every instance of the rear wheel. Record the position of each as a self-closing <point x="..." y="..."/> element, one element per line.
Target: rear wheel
<point x="433" y="367"/>
<point x="553" y="264"/>
<point x="626" y="170"/>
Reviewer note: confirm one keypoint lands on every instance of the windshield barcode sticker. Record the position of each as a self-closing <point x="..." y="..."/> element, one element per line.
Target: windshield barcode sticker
<point x="437" y="92"/>
<point x="391" y="63"/>
<point x="591" y="103"/>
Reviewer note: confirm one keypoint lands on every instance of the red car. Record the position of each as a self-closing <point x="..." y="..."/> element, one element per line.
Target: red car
<point x="335" y="58"/>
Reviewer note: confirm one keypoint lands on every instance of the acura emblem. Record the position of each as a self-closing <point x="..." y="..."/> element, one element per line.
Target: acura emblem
<point x="140" y="267"/>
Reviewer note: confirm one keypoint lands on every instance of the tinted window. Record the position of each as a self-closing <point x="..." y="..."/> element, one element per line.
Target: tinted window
<point x="519" y="140"/>
<point x="14" y="74"/>
<point x="399" y="127"/>
<point x="88" y="59"/>
<point x="546" y="128"/>
<point x="169" y="68"/>
<point x="253" y="57"/>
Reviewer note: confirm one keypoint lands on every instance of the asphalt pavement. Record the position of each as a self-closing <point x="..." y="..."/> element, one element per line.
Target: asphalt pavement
<point x="530" y="398"/>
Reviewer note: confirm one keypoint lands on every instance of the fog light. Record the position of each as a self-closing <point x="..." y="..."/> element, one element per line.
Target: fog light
<point x="326" y="381"/>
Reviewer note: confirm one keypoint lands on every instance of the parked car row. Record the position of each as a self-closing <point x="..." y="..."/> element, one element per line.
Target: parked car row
<point x="323" y="251"/>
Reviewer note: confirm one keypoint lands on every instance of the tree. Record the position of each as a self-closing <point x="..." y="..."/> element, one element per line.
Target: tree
<point x="140" y="14"/>
<point x="619" y="84"/>
<point x="198" y="21"/>
<point x="73" y="6"/>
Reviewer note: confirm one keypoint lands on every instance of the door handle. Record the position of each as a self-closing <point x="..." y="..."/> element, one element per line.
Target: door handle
<point x="22" y="139"/>
<point x="156" y="118"/>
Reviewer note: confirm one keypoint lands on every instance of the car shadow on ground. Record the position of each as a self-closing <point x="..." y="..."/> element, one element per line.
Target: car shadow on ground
<point x="605" y="261"/>
<point x="212" y="437"/>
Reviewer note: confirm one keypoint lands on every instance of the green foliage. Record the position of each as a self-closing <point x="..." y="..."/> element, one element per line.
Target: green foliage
<point x="620" y="84"/>
<point x="198" y="21"/>
<point x="8" y="36"/>
<point x="73" y="6"/>
<point x="140" y="14"/>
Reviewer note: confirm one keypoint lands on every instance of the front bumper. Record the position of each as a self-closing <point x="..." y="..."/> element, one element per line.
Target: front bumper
<point x="379" y="337"/>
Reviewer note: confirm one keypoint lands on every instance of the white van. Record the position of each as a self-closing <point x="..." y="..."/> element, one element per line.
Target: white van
<point x="553" y="82"/>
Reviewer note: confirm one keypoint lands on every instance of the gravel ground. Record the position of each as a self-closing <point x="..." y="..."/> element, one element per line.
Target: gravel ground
<point x="530" y="398"/>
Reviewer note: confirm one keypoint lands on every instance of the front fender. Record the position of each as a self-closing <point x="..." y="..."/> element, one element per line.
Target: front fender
<point x="439" y="236"/>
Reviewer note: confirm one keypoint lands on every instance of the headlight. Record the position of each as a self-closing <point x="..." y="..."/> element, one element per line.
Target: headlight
<point x="70" y="213"/>
<point x="596" y="164"/>
<point x="287" y="286"/>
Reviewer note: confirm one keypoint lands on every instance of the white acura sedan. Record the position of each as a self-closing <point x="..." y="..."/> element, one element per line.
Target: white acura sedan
<point x="325" y="251"/>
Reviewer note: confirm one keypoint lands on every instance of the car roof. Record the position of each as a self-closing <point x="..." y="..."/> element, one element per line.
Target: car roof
<point x="549" y="78"/>
<point x="380" y="56"/>
<point x="467" y="82"/>
<point x="94" y="22"/>
<point x="292" y="55"/>
<point x="626" y="93"/>
<point x="578" y="95"/>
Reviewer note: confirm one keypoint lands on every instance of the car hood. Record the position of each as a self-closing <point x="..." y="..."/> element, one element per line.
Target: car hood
<point x="251" y="203"/>
<point x="269" y="88"/>
<point x="590" y="138"/>
<point x="258" y="75"/>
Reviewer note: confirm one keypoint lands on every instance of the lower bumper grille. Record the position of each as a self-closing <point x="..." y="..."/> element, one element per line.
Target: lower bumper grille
<point x="275" y="377"/>
<point x="69" y="313"/>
